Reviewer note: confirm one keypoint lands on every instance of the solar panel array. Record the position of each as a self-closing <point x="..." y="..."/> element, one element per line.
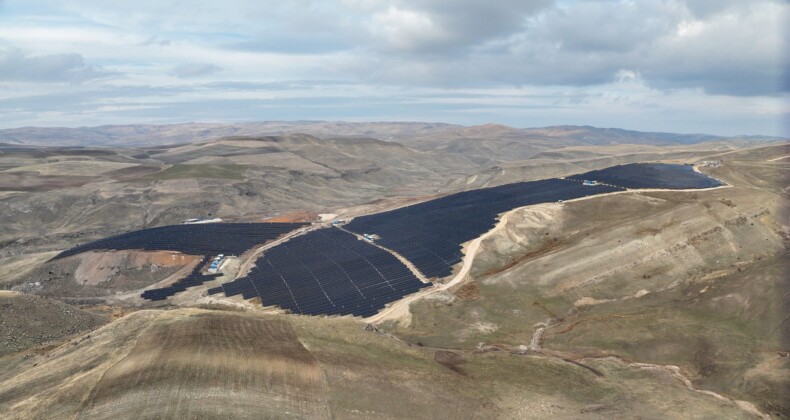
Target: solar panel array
<point x="195" y="239"/>
<point x="330" y="271"/>
<point x="651" y="175"/>
<point x="430" y="234"/>
<point x="326" y="271"/>
<point x="195" y="278"/>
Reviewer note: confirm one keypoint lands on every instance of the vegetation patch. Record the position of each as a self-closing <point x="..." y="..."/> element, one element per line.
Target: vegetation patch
<point x="469" y="291"/>
<point x="181" y="171"/>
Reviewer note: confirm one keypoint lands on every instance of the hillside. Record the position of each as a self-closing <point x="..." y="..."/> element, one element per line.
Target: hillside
<point x="628" y="304"/>
<point x="70" y="195"/>
<point x="28" y="321"/>
<point x="696" y="280"/>
<point x="73" y="195"/>
<point x="210" y="364"/>
<point x="417" y="134"/>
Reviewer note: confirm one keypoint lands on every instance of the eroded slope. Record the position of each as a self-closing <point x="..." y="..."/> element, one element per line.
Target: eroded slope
<point x="693" y="279"/>
<point x="28" y="320"/>
<point x="209" y="364"/>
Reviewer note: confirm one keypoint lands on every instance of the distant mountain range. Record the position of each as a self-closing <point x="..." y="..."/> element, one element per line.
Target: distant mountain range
<point x="415" y="134"/>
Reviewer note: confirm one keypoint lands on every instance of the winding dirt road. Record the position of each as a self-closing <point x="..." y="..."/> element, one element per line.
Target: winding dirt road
<point x="779" y="158"/>
<point x="400" y="308"/>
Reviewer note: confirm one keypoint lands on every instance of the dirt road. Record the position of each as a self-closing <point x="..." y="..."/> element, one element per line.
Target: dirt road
<point x="400" y="257"/>
<point x="400" y="310"/>
<point x="247" y="263"/>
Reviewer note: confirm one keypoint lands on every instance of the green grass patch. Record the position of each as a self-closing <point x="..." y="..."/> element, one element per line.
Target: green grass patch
<point x="503" y="314"/>
<point x="182" y="171"/>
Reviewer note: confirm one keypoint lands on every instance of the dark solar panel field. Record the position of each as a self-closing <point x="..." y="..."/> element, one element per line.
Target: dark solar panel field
<point x="196" y="239"/>
<point x="327" y="271"/>
<point x="430" y="234"/>
<point x="195" y="278"/>
<point x="651" y="175"/>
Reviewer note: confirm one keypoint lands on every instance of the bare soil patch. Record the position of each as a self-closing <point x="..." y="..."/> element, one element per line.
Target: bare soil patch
<point x="32" y="181"/>
<point x="293" y="216"/>
<point x="450" y="360"/>
<point x="28" y="320"/>
<point x="544" y="248"/>
<point x="469" y="291"/>
<point x="99" y="267"/>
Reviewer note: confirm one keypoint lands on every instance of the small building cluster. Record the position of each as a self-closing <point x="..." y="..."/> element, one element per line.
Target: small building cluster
<point x="216" y="263"/>
<point x="710" y="163"/>
<point x="200" y="221"/>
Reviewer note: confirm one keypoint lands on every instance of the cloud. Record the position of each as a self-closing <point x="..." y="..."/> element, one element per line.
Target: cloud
<point x="154" y="40"/>
<point x="290" y="44"/>
<point x="626" y="104"/>
<point x="721" y="55"/>
<point x="15" y="65"/>
<point x="448" y="25"/>
<point x="408" y="30"/>
<point x="191" y="70"/>
<point x="601" y="27"/>
<point x="722" y="46"/>
<point x="734" y="50"/>
<point x="706" y="8"/>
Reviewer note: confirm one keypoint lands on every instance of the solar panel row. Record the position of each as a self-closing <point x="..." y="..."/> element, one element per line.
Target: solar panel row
<point x="327" y="271"/>
<point x="195" y="278"/>
<point x="430" y="234"/>
<point x="651" y="175"/>
<point x="195" y="239"/>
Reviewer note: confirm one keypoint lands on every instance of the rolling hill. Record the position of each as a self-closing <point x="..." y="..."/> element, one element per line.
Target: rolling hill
<point x="640" y="303"/>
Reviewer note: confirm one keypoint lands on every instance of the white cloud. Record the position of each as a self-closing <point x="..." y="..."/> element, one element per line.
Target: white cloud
<point x="628" y="76"/>
<point x="407" y="30"/>
<point x="629" y="56"/>
<point x="192" y="70"/>
<point x="16" y="65"/>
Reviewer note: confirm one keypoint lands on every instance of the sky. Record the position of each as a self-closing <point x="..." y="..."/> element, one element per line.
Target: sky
<point x="693" y="66"/>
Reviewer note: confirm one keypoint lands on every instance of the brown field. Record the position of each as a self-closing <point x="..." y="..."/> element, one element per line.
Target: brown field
<point x="187" y="368"/>
<point x="292" y="217"/>
<point x="132" y="172"/>
<point x="33" y="182"/>
<point x="190" y="363"/>
<point x="27" y="321"/>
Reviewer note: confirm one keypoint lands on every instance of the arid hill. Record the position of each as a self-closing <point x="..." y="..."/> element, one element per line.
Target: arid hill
<point x="28" y="321"/>
<point x="634" y="304"/>
<point x="211" y="364"/>
<point x="691" y="279"/>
